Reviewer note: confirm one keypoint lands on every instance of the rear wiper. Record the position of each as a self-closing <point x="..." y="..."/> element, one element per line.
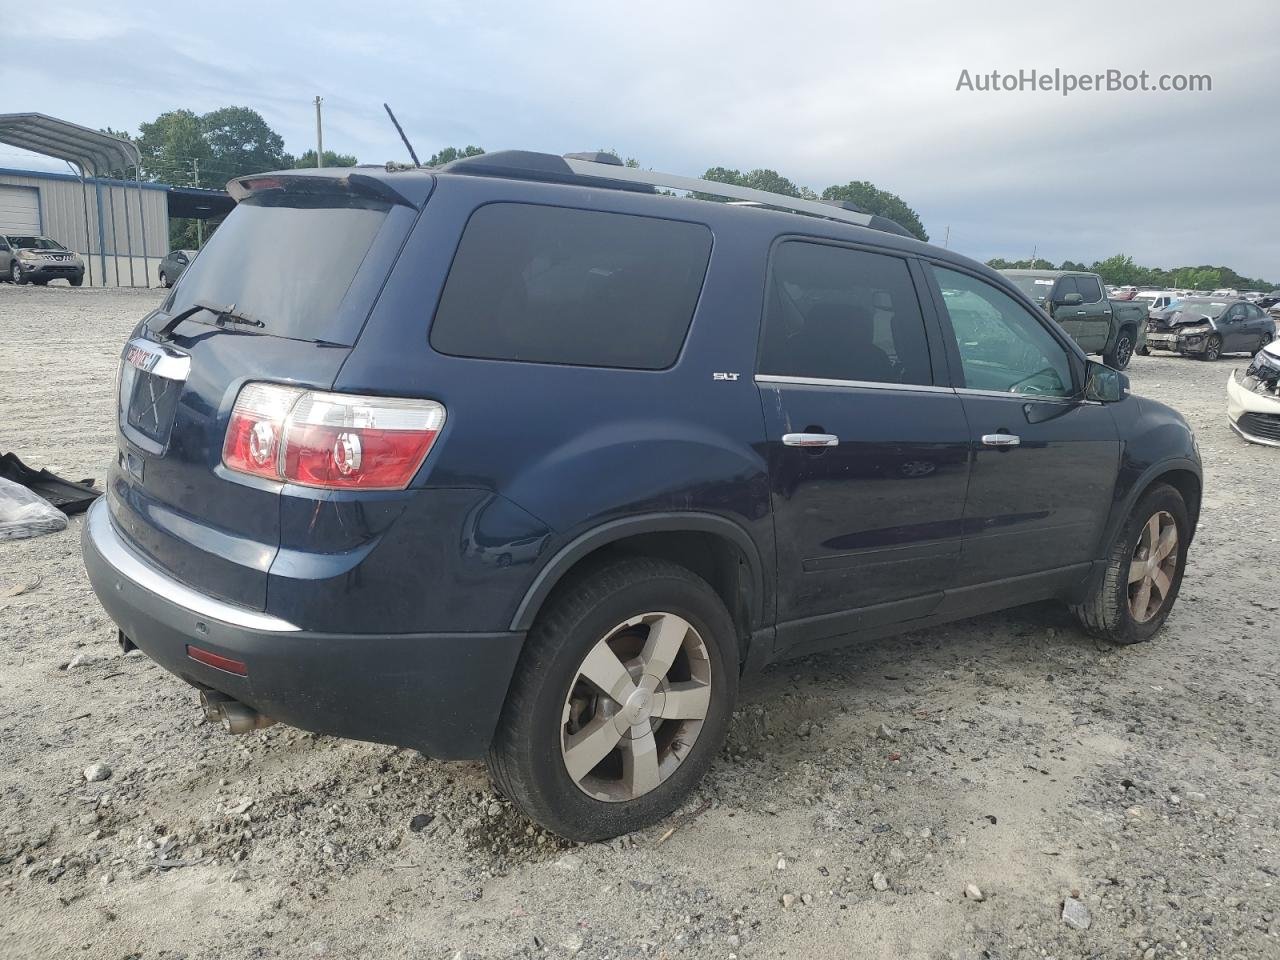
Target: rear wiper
<point x="223" y="315"/>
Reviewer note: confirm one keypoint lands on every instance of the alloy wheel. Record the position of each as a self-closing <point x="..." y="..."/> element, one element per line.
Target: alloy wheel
<point x="1154" y="563"/>
<point x="1213" y="349"/>
<point x="15" y="272"/>
<point x="635" y="707"/>
<point x="1124" y="352"/>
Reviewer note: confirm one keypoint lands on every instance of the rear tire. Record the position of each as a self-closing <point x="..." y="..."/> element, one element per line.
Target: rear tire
<point x="1117" y="608"/>
<point x="164" y="280"/>
<point x="620" y="624"/>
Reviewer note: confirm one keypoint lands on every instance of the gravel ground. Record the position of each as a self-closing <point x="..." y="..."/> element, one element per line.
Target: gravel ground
<point x="861" y="793"/>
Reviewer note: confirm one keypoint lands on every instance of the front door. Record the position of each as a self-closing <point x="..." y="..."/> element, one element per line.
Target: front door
<point x="1045" y="461"/>
<point x="868" y="459"/>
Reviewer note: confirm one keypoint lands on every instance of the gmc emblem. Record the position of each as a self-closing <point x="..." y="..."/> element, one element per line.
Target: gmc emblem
<point x="142" y="359"/>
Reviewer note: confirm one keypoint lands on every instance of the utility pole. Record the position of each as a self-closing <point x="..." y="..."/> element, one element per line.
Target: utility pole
<point x="195" y="182"/>
<point x="319" y="136"/>
<point x="1033" y="256"/>
<point x="946" y="243"/>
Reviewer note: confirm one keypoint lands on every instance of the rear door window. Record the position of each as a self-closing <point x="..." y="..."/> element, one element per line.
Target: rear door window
<point x="582" y="287"/>
<point x="834" y="313"/>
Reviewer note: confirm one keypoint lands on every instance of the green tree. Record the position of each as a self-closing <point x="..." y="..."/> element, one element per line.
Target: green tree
<point x="762" y="179"/>
<point x="449" y="154"/>
<point x="880" y="202"/>
<point x="331" y="159"/>
<point x="241" y="142"/>
<point x="174" y="148"/>
<point x="1119" y="270"/>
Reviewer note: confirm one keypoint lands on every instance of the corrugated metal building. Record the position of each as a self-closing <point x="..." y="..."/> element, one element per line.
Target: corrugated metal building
<point x="104" y="217"/>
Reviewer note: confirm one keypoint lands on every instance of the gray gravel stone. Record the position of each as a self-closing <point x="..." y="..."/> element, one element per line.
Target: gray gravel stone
<point x="1075" y="914"/>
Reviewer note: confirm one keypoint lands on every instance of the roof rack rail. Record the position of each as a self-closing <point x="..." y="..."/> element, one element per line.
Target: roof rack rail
<point x="596" y="168"/>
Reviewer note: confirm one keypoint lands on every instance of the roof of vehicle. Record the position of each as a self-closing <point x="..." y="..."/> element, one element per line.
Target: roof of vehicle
<point x="581" y="169"/>
<point x="401" y="183"/>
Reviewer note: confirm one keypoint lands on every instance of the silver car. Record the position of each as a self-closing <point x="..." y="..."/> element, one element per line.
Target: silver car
<point x="171" y="266"/>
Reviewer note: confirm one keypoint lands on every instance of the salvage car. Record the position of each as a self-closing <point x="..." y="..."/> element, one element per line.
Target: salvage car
<point x="519" y="458"/>
<point x="1208" y="327"/>
<point x="1114" y="327"/>
<point x="25" y="258"/>
<point x="1253" y="398"/>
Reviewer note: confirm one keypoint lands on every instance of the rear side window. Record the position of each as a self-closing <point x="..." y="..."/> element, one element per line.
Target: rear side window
<point x="580" y="287"/>
<point x="838" y="314"/>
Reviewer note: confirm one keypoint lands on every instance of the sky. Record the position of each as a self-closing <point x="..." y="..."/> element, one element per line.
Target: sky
<point x="824" y="93"/>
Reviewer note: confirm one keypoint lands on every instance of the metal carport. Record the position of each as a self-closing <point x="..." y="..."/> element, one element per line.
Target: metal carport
<point x="91" y="154"/>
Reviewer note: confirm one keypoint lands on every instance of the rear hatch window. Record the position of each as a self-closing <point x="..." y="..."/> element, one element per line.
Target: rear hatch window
<point x="557" y="285"/>
<point x="287" y="259"/>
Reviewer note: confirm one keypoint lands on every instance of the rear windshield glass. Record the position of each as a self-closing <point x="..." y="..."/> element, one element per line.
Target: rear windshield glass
<point x="1037" y="288"/>
<point x="555" y="285"/>
<point x="288" y="266"/>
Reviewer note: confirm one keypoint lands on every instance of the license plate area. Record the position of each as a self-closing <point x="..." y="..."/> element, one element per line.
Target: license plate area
<point x="151" y="382"/>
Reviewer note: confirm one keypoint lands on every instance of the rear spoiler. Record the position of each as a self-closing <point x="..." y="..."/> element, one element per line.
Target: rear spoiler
<point x="409" y="192"/>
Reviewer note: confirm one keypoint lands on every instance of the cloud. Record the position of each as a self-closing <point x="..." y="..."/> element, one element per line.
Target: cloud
<point x="822" y="92"/>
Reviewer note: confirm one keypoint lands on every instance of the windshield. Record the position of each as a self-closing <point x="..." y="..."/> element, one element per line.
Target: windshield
<point x="1037" y="288"/>
<point x="1200" y="308"/>
<point x="286" y="263"/>
<point x="35" y="243"/>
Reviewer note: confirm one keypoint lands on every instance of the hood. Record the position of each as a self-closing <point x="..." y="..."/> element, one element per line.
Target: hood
<point x="40" y="252"/>
<point x="1181" y="318"/>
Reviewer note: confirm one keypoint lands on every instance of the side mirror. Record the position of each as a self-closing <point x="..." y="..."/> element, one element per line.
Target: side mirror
<point x="1072" y="300"/>
<point x="1104" y="384"/>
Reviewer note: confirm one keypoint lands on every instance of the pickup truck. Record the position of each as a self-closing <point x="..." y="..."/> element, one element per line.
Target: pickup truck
<point x="1112" y="328"/>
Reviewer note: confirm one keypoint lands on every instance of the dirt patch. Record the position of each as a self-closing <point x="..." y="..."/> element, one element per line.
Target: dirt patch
<point x="1016" y="755"/>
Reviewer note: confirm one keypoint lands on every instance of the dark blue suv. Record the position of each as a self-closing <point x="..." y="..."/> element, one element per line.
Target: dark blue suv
<point x="524" y="458"/>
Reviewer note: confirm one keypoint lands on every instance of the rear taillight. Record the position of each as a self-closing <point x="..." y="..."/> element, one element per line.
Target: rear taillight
<point x="331" y="440"/>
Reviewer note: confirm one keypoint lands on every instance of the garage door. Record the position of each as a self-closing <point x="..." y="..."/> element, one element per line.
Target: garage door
<point x="19" y="209"/>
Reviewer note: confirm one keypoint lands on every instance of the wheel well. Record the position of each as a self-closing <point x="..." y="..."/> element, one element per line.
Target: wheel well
<point x="715" y="559"/>
<point x="1187" y="484"/>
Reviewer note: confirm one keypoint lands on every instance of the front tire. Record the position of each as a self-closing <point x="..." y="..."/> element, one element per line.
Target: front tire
<point x="76" y="281"/>
<point x="16" y="274"/>
<point x="1140" y="584"/>
<point x="1122" y="352"/>
<point x="620" y="701"/>
<point x="1212" y="349"/>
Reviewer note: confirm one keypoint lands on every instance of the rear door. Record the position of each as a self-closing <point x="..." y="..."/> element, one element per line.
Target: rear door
<point x="1045" y="462"/>
<point x="288" y="260"/>
<point x="868" y="457"/>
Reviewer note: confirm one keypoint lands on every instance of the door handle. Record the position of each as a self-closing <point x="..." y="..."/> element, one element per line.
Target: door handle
<point x="1001" y="441"/>
<point x="1082" y="313"/>
<point x="810" y="440"/>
